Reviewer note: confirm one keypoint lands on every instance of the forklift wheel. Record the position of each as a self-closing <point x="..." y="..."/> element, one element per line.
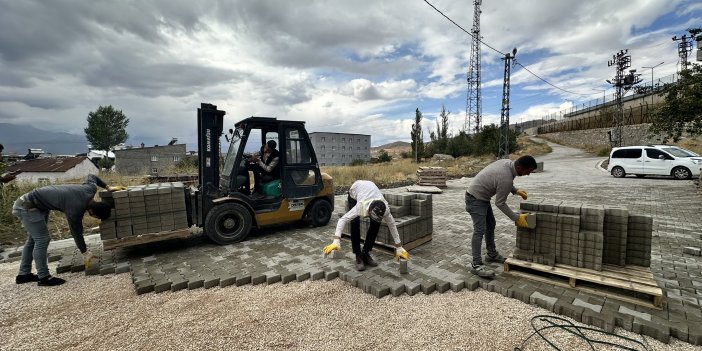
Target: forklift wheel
<point x="228" y="223"/>
<point x="320" y="213"/>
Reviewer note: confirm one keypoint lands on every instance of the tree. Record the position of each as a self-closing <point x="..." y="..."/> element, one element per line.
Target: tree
<point x="681" y="110"/>
<point x="442" y="125"/>
<point x="417" y="136"/>
<point x="106" y="128"/>
<point x="383" y="156"/>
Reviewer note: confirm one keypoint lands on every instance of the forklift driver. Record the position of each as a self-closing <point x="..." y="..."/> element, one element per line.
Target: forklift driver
<point x="265" y="166"/>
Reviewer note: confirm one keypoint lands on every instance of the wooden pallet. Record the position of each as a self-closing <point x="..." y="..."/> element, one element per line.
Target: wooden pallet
<point x="111" y="244"/>
<point x="634" y="284"/>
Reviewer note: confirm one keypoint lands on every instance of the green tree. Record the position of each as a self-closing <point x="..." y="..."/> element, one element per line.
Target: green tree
<point x="383" y="156"/>
<point x="681" y="111"/>
<point x="442" y="125"/>
<point x="417" y="136"/>
<point x="106" y="128"/>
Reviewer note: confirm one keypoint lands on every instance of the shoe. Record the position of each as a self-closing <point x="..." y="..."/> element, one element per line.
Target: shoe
<point x="482" y="271"/>
<point x="50" y="281"/>
<point x="360" y="266"/>
<point x="26" y="278"/>
<point x="368" y="260"/>
<point x="495" y="259"/>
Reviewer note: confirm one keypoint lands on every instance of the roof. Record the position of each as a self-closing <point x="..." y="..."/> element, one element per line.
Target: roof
<point x="47" y="164"/>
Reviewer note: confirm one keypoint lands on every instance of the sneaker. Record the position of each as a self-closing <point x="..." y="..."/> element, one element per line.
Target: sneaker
<point x="495" y="259"/>
<point x="368" y="260"/>
<point x="50" y="281"/>
<point x="26" y="278"/>
<point x="360" y="266"/>
<point x="483" y="271"/>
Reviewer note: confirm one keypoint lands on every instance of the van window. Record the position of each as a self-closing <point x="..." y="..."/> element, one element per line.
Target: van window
<point x="655" y="153"/>
<point x="627" y="153"/>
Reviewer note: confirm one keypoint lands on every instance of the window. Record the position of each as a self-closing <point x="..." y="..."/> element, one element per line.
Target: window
<point x="333" y="139"/>
<point x="343" y="139"/>
<point x="324" y="139"/>
<point x="358" y="140"/>
<point x="627" y="153"/>
<point x="323" y="147"/>
<point x="176" y="158"/>
<point x="358" y="148"/>
<point x="657" y="154"/>
<point x="297" y="150"/>
<point x="343" y="148"/>
<point x="154" y="158"/>
<point x="333" y="147"/>
<point x="154" y="170"/>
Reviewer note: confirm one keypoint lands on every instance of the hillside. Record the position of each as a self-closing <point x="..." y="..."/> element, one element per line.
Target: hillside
<point x="393" y="149"/>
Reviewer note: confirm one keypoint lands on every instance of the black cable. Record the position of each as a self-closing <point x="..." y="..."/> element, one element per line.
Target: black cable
<point x="579" y="331"/>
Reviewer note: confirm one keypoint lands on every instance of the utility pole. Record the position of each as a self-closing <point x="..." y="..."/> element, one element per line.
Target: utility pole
<point x="473" y="103"/>
<point x="685" y="48"/>
<point x="652" y="67"/>
<point x="622" y="83"/>
<point x="504" y="117"/>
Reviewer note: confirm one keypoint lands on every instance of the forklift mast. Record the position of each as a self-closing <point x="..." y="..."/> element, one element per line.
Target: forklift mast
<point x="210" y="122"/>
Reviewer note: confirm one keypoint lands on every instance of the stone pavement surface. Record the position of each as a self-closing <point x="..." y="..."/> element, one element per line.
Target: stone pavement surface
<point x="289" y="254"/>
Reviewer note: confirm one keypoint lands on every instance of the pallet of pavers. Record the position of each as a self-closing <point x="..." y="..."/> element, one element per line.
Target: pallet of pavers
<point x="432" y="176"/>
<point x="604" y="250"/>
<point x="144" y="213"/>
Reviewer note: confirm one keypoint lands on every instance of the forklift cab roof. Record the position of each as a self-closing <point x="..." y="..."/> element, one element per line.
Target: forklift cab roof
<point x="261" y="120"/>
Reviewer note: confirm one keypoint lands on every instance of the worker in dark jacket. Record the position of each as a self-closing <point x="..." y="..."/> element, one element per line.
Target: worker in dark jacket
<point x="265" y="165"/>
<point x="33" y="210"/>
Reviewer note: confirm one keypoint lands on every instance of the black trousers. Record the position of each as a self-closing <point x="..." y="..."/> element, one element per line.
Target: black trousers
<point x="356" y="232"/>
<point x="260" y="177"/>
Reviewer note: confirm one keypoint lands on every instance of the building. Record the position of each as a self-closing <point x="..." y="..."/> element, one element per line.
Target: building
<point x="50" y="170"/>
<point x="340" y="149"/>
<point x="150" y="160"/>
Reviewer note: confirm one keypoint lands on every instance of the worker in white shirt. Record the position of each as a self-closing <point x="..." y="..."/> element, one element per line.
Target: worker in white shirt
<point x="366" y="200"/>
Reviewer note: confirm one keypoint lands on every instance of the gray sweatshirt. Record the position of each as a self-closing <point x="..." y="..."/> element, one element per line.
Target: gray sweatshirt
<point x="71" y="199"/>
<point x="497" y="179"/>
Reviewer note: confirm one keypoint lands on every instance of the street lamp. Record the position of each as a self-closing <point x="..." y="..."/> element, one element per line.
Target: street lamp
<point x="652" y="67"/>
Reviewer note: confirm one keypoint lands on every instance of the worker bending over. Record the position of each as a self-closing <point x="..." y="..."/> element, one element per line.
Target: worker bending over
<point x="366" y="200"/>
<point x="33" y="210"/>
<point x="497" y="179"/>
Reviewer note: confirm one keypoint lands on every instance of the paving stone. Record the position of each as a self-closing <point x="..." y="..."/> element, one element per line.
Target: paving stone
<point x="581" y="303"/>
<point x="543" y="301"/>
<point x="412" y="288"/>
<point x="211" y="282"/>
<point x="258" y="279"/>
<point x="657" y="331"/>
<point x="227" y="281"/>
<point x="196" y="283"/>
<point x="397" y="289"/>
<point x="600" y="320"/>
<point x="272" y="278"/>
<point x="162" y="286"/>
<point x="635" y="314"/>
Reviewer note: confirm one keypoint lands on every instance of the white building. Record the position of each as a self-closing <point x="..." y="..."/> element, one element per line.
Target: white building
<point x="50" y="170"/>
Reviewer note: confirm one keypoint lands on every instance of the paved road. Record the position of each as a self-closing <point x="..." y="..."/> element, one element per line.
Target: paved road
<point x="288" y="254"/>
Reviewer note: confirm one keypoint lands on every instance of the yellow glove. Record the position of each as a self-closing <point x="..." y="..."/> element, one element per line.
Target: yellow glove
<point x="522" y="221"/>
<point x="401" y="253"/>
<point x="522" y="193"/>
<point x="335" y="245"/>
<point x="87" y="257"/>
<point x="116" y="188"/>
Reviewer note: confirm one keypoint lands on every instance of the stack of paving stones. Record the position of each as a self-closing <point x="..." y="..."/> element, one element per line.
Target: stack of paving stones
<point x="583" y="235"/>
<point x="432" y="176"/>
<point x="638" y="241"/>
<point x="413" y="216"/>
<point x="144" y="209"/>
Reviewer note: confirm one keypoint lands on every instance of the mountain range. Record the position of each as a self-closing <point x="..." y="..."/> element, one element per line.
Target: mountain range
<point x="18" y="138"/>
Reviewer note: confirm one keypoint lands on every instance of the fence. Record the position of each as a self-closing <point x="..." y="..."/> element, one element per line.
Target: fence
<point x="604" y="118"/>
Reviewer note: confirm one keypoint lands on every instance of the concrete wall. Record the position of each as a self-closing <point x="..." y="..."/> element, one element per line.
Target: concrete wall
<point x="340" y="149"/>
<point x="631" y="135"/>
<point x="148" y="160"/>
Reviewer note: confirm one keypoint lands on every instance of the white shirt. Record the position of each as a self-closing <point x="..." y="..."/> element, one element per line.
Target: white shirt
<point x="365" y="192"/>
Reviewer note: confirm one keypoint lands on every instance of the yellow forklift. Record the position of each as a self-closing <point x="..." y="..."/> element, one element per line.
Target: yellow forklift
<point x="223" y="204"/>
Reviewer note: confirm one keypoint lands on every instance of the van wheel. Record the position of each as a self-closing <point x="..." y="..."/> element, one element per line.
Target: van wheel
<point x="320" y="213"/>
<point x="228" y="223"/>
<point x="618" y="172"/>
<point x="681" y="173"/>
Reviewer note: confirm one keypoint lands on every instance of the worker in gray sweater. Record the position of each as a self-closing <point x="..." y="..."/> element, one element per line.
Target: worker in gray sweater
<point x="33" y="208"/>
<point x="497" y="179"/>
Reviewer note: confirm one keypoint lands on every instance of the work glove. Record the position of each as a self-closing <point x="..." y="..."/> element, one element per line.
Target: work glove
<point x="335" y="245"/>
<point x="522" y="193"/>
<point x="116" y="188"/>
<point x="87" y="257"/>
<point x="401" y="253"/>
<point x="522" y="221"/>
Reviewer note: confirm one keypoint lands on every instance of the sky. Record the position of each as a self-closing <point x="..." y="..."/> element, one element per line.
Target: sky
<point x="342" y="66"/>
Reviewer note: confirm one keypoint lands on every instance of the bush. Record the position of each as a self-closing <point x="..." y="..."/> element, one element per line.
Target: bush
<point x="358" y="162"/>
<point x="383" y="156"/>
<point x="105" y="163"/>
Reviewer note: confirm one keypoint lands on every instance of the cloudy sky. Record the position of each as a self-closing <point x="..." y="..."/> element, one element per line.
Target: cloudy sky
<point x="342" y="66"/>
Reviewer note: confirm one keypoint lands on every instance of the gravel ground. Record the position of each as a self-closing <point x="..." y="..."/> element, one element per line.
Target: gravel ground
<point x="104" y="313"/>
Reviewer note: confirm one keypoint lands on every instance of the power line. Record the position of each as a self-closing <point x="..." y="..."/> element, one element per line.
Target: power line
<point x="500" y="52"/>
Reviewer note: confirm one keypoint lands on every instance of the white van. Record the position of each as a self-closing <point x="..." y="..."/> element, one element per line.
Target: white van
<point x="645" y="160"/>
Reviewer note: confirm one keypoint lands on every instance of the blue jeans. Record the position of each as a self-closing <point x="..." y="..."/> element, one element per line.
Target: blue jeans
<point x="35" y="248"/>
<point x="483" y="226"/>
